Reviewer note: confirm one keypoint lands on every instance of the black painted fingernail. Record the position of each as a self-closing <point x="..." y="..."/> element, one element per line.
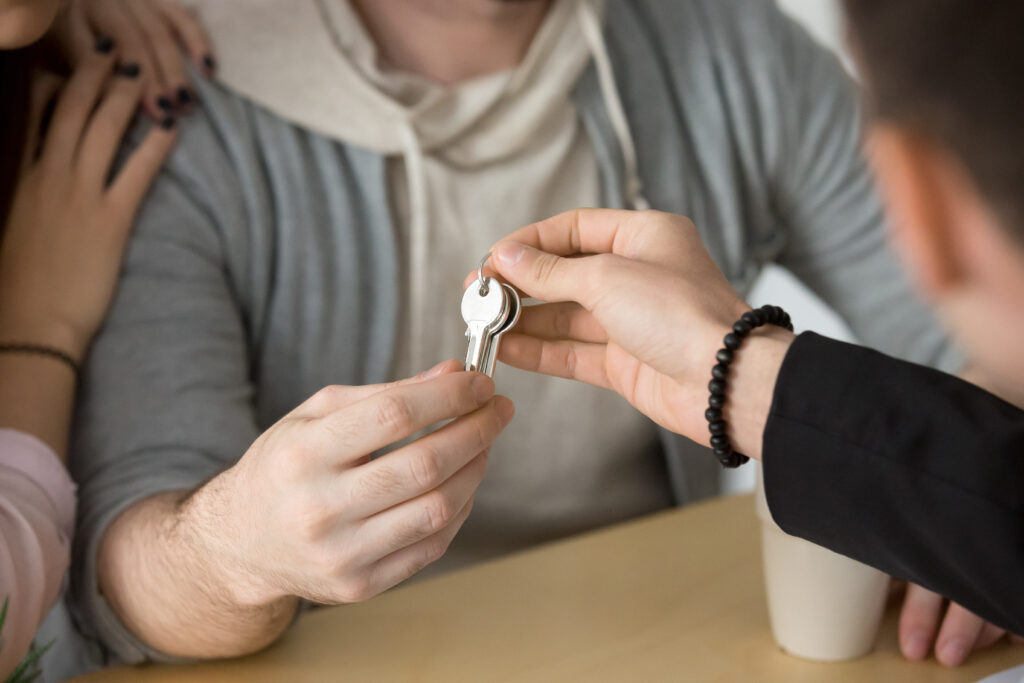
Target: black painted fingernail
<point x="164" y="103"/>
<point x="167" y="123"/>
<point x="104" y="45"/>
<point x="129" y="70"/>
<point x="209" y="62"/>
<point x="184" y="95"/>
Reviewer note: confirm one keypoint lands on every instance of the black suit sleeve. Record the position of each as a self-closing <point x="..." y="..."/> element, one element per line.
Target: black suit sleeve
<point x="901" y="467"/>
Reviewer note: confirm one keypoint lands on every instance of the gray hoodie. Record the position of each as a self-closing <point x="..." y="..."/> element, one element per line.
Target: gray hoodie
<point x="267" y="261"/>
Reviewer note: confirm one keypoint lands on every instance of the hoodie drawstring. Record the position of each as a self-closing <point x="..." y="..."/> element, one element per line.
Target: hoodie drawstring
<point x="419" y="238"/>
<point x="412" y="155"/>
<point x="593" y="32"/>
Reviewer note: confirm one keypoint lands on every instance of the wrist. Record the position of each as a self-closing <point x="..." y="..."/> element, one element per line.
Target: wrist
<point x="211" y="521"/>
<point x="19" y="328"/>
<point x="751" y="387"/>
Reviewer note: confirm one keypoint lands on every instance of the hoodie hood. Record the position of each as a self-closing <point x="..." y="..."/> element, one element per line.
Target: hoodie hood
<point x="313" y="62"/>
<point x="457" y="150"/>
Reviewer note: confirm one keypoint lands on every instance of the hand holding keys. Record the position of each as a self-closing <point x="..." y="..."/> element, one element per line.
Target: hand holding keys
<point x="490" y="309"/>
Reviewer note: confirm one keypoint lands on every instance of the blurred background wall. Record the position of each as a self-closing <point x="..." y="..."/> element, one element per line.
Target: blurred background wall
<point x="822" y="19"/>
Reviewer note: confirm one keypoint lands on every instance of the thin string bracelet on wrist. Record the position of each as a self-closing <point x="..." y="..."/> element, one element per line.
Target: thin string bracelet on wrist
<point x="751" y="320"/>
<point x="44" y="351"/>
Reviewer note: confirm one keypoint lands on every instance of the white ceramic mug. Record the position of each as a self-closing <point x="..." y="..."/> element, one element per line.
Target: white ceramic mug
<point x="823" y="606"/>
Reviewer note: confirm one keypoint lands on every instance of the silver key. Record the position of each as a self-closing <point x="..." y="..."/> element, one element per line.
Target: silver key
<point x="485" y="308"/>
<point x="514" y="309"/>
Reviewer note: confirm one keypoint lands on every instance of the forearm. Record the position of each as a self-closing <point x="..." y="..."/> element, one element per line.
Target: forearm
<point x="179" y="592"/>
<point x="37" y="392"/>
<point x="902" y="467"/>
<point x="36" y="396"/>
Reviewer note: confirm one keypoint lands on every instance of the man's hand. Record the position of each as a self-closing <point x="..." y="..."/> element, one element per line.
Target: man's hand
<point x="307" y="513"/>
<point x="333" y="525"/>
<point x="636" y="305"/>
<point x="961" y="631"/>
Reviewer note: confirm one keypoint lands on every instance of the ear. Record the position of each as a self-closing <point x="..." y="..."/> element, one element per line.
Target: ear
<point x="919" y="186"/>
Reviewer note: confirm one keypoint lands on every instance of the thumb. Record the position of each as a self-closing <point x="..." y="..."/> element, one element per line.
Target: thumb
<point x="336" y="397"/>
<point x="546" y="276"/>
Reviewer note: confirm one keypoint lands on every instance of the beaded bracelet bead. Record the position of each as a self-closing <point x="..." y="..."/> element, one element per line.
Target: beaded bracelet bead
<point x="751" y="320"/>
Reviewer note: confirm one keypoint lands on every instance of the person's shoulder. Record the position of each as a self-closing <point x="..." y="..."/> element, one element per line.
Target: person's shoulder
<point x="221" y="121"/>
<point x="738" y="30"/>
<point x="697" y="17"/>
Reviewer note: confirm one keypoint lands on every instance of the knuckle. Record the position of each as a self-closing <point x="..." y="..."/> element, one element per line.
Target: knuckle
<point x="425" y="466"/>
<point x="569" y="361"/>
<point x="394" y="413"/>
<point x="311" y="522"/>
<point x="293" y="463"/>
<point x="325" y="559"/>
<point x="356" y="587"/>
<point x="376" y="482"/>
<point x="438" y="511"/>
<point x="545" y="268"/>
<point x="433" y="550"/>
<point x="328" y="396"/>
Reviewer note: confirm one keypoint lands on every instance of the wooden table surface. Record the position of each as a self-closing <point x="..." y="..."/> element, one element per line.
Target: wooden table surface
<point x="677" y="596"/>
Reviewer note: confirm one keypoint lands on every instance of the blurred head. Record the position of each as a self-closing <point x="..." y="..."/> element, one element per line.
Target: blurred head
<point x="945" y="83"/>
<point x="25" y="21"/>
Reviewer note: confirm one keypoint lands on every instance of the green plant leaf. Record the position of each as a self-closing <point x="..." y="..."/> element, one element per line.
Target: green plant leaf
<point x="26" y="671"/>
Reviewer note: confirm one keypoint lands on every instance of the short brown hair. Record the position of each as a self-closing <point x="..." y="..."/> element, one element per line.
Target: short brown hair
<point x="952" y="70"/>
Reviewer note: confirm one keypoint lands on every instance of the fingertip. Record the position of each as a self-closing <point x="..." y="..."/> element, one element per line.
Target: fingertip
<point x="442" y="368"/>
<point x="509" y="253"/>
<point x="483" y="387"/>
<point x="915" y="646"/>
<point x="506" y="409"/>
<point x="953" y="652"/>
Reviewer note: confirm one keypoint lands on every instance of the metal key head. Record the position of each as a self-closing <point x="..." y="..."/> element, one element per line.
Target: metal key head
<point x="491" y="352"/>
<point x="484" y="308"/>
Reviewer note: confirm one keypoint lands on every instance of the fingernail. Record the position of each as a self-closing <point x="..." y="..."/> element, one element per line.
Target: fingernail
<point x="184" y="95"/>
<point x="104" y="45"/>
<point x="168" y="122"/>
<point x="434" y="371"/>
<point x="483" y="388"/>
<point x="506" y="410"/>
<point x="509" y="253"/>
<point x="129" y="70"/>
<point x="164" y="103"/>
<point x="915" y="647"/>
<point x="209" y="62"/>
<point x="953" y="652"/>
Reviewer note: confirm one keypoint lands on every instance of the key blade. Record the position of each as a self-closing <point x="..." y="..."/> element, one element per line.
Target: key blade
<point x="484" y="313"/>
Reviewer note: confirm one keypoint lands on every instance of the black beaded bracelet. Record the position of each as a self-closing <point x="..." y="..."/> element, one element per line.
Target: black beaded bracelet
<point x="46" y="351"/>
<point x="751" y="320"/>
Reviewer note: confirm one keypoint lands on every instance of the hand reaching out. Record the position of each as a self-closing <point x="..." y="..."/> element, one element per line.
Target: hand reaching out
<point x="635" y="304"/>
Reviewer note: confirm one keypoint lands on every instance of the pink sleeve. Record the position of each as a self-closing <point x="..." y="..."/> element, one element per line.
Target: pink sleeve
<point x="37" y="514"/>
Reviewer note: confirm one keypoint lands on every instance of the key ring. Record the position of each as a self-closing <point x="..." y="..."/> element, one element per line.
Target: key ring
<point x="484" y="287"/>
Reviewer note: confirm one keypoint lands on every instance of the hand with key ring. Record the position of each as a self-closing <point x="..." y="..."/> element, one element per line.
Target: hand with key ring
<point x="636" y="305"/>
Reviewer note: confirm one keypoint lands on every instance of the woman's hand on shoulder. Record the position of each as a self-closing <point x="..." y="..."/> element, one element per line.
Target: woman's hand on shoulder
<point x="70" y="218"/>
<point x="156" y="37"/>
